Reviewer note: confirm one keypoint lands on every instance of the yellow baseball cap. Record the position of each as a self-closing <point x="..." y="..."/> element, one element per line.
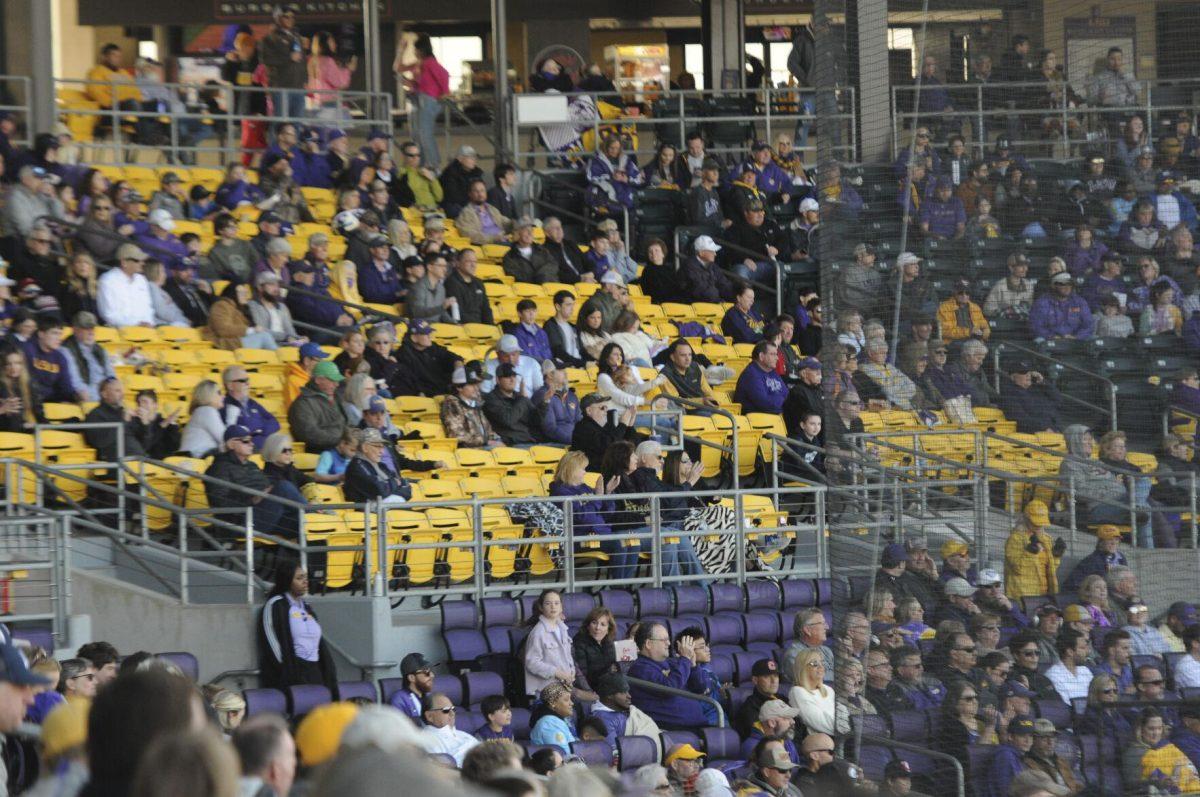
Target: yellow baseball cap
<point x="320" y="733"/>
<point x="953" y="547"/>
<point x="683" y="752"/>
<point x="1077" y="614"/>
<point x="1037" y="513"/>
<point x="1107" y="532"/>
<point x="65" y="727"/>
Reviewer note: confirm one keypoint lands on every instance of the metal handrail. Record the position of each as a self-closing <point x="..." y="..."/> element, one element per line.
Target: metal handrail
<point x="733" y="426"/>
<point x="884" y="741"/>
<point x="1112" y="388"/>
<point x="582" y="191"/>
<point x="725" y="243"/>
<point x="670" y="690"/>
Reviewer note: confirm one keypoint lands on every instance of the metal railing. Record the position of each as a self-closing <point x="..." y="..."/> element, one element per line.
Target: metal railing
<point x="985" y="106"/>
<point x="188" y="124"/>
<point x="673" y="114"/>
<point x="1109" y="386"/>
<point x="35" y="560"/>
<point x="650" y="686"/>
<point x="953" y="763"/>
<point x="18" y="93"/>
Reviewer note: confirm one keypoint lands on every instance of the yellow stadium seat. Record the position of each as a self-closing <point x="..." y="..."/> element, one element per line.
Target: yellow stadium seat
<point x="482" y="487"/>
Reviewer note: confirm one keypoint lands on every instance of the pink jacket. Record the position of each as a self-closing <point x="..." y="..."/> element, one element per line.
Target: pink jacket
<point x="433" y="79"/>
<point x="547" y="650"/>
<point x="330" y="75"/>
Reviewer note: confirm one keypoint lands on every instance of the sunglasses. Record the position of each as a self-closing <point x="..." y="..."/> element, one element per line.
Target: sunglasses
<point x="1029" y="653"/>
<point x="43" y="240"/>
<point x="245" y="440"/>
<point x="1156" y="682"/>
<point x="446" y="710"/>
<point x="1108" y="691"/>
<point x="965" y="650"/>
<point x="244" y="379"/>
<point x="285" y="451"/>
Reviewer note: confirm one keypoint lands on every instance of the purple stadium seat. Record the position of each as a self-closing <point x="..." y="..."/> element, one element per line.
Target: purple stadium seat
<point x="676" y="625"/>
<point x="1056" y="711"/>
<point x="184" y="661"/>
<point x="1150" y="659"/>
<point x="389" y="687"/>
<point x="727" y="599"/>
<point x="859" y="587"/>
<point x="724" y="633"/>
<point x="787" y="624"/>
<point x="910" y="726"/>
<point x="520" y="722"/>
<point x="1171" y="662"/>
<point x="824" y="591"/>
<point x="594" y="754"/>
<point x="798" y="593"/>
<point x="654" y="602"/>
<point x="499" y="612"/>
<point x="980" y="760"/>
<point x="362" y="690"/>
<point x="465" y="643"/>
<point x="722" y="667"/>
<point x="620" y="602"/>
<point x="469" y="721"/>
<point x="873" y="758"/>
<point x="516" y="636"/>
<point x="762" y="596"/>
<point x="690" y="599"/>
<point x="1031" y="603"/>
<point x="671" y="738"/>
<point x="1191" y="693"/>
<point x="304" y="698"/>
<point x="481" y="684"/>
<point x="737" y="696"/>
<point x="264" y="701"/>
<point x="451" y="686"/>
<point x="760" y="631"/>
<point x="721" y="743"/>
<point x="1098" y="635"/>
<point x="459" y="614"/>
<point x="871" y="724"/>
<point x="526" y="602"/>
<point x="636" y="751"/>
<point x="743" y="663"/>
<point x="38" y="637"/>
<point x="576" y="605"/>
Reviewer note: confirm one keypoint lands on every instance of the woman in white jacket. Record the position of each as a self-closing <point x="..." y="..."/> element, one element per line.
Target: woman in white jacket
<point x="622" y="393"/>
<point x="548" y="653"/>
<point x="205" y="430"/>
<point x="811" y="695"/>
<point x="639" y="348"/>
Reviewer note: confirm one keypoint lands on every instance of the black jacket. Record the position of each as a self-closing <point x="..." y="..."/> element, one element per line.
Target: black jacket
<point x="704" y="282"/>
<point x="513" y="418"/>
<point x="422" y="373"/>
<point x="505" y="203"/>
<point x="105" y="441"/>
<point x="15" y="422"/>
<point x="571" y="265"/>
<point x="593" y="659"/>
<point x="227" y="467"/>
<point x="159" y="441"/>
<point x="801" y="398"/>
<point x="756" y="240"/>
<point x="473" y="306"/>
<point x="192" y="302"/>
<point x="558" y="344"/>
<point x="1035" y="409"/>
<point x="364" y="482"/>
<point x="455" y="180"/>
<point x="593" y="439"/>
<point x="277" y="650"/>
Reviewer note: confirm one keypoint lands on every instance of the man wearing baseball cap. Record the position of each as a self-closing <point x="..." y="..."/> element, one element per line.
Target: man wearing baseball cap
<point x="1029" y="400"/>
<point x="1043" y="757"/>
<point x="889" y="577"/>
<point x="123" y="294"/>
<point x="1007" y="760"/>
<point x="1060" y="313"/>
<point x="757" y="233"/>
<point x="616" y="710"/>
<point x="765" y="677"/>
<point x="701" y="279"/>
<point x="956" y="562"/>
<point x="299" y="373"/>
<point x="703" y="202"/>
<point x="17" y="688"/>
<point x="511" y="414"/>
<point x="683" y="763"/>
<point x="1106" y="556"/>
<point x="861" y="286"/>
<point x="897" y="780"/>
<point x="233" y="467"/>
<point x="528" y="371"/>
<point x="960" y="317"/>
<point x="1180" y="615"/>
<point x="457" y="177"/>
<point x="775" y="718"/>
<point x="805" y="230"/>
<point x="417" y="672"/>
<point x="1031" y="559"/>
<point x="423" y="368"/>
<point x="315" y="417"/>
<point x="772" y="771"/>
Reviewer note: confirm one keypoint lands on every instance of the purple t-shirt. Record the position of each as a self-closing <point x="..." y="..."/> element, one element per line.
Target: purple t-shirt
<point x="943" y="218"/>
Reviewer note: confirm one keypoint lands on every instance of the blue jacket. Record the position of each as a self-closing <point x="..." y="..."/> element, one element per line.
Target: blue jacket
<point x="769" y="179"/>
<point x="760" y="391"/>
<point x="1006" y="763"/>
<point x="230" y="195"/>
<point x="756" y="735"/>
<point x="559" y="415"/>
<point x="49" y="372"/>
<point x="1069" y="317"/>
<point x="705" y="682"/>
<point x="312" y="170"/>
<point x="742" y="327"/>
<point x="1096" y="288"/>
<point x="319" y="312"/>
<point x="1096" y="563"/>
<point x="666" y="710"/>
<point x="553" y="729"/>
<point x="409" y="703"/>
<point x="379" y="287"/>
<point x="1191" y="332"/>
<point x="253" y="416"/>
<point x="588" y="516"/>
<point x="169" y="251"/>
<point x="1189" y="743"/>
<point x="614" y="721"/>
<point x="1187" y="211"/>
<point x="533" y="342"/>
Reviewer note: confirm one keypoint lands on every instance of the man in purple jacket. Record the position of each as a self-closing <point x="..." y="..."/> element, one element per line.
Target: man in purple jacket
<point x="48" y="367"/>
<point x="656" y="665"/>
<point x="760" y="388"/>
<point x="1060" y="313"/>
<point x="942" y="215"/>
<point x="533" y="339"/>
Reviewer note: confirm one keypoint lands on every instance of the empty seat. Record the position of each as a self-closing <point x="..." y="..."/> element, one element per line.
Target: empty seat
<point x="576" y="605"/>
<point x="357" y="690"/>
<point x="760" y="632"/>
<point x="305" y="697"/>
<point x="654" y="602"/>
<point x="762" y="595"/>
<point x="594" y="754"/>
<point x="480" y="685"/>
<point x="389" y="687"/>
<point x="798" y="593"/>
<point x="727" y="599"/>
<point x="723" y="747"/>
<point x="451" y="686"/>
<point x="724" y="633"/>
<point x="465" y="643"/>
<point x="690" y="599"/>
<point x="910" y="726"/>
<point x="620" y="602"/>
<point x="264" y="701"/>
<point x="636" y="751"/>
<point x="184" y="661"/>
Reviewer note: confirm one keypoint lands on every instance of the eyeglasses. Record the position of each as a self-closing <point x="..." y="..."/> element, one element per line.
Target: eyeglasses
<point x="969" y="697"/>
<point x="91" y="676"/>
<point x="1156" y="682"/>
<point x="828" y="750"/>
<point x="245" y="440"/>
<point x="411" y="154"/>
<point x="1109" y="691"/>
<point x="815" y="664"/>
<point x="989" y="628"/>
<point x="285" y="451"/>
<point x="659" y="639"/>
<point x="104" y="207"/>
<point x="245" y="379"/>
<point x="966" y="650"/>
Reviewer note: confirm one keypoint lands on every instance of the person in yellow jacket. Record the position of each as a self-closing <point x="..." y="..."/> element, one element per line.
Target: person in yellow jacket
<point x="109" y="77"/>
<point x="1031" y="558"/>
<point x="299" y="374"/>
<point x="960" y="318"/>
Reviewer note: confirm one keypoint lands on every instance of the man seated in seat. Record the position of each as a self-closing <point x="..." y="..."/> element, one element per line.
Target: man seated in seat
<point x="775" y="718"/>
<point x="758" y="242"/>
<point x="880" y="691"/>
<point x="123" y="294"/>
<point x="764" y="675"/>
<point x="532" y="338"/>
<point x="111" y="409"/>
<point x="917" y="690"/>
<point x="701" y="279"/>
<point x="53" y="376"/>
<point x="529" y="370"/>
<point x="823" y="774"/>
<point x="1071" y="676"/>
<point x="417" y="673"/>
<point x="595" y="431"/>
<point x="557" y="405"/>
<point x="1029" y="400"/>
<point x="616" y="710"/>
<point x="316" y="417"/>
<point x="375" y="416"/>
<point x="961" y="318"/>
<point x="685" y="377"/>
<point x="771" y="771"/>
<point x="527" y="261"/>
<point x="240" y="408"/>
<point x="107" y="72"/>
<point x="1043" y="757"/>
<point x="480" y="222"/>
<point x="1008" y="759"/>
<point x="1060" y="314"/>
<point x="233" y="468"/>
<point x="423" y="367"/>
<point x="656" y="664"/>
<point x="561" y="334"/>
<point x="512" y="415"/>
<point x="439" y="736"/>
<point x="1146" y="639"/>
<point x="759" y="387"/>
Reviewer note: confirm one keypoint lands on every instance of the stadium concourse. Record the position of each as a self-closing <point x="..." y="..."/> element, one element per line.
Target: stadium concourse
<point x="713" y="485"/>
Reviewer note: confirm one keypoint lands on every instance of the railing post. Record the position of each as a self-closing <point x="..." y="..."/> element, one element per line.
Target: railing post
<point x="1071" y="511"/>
<point x="250" y="555"/>
<point x="569" y="533"/>
<point x="183" y="559"/>
<point x="302" y="538"/>
<point x="480" y="550"/>
<point x="656" y="541"/>
<point x="739" y="524"/>
<point x="1066" y="135"/>
<point x="384" y="573"/>
<point x="980" y="131"/>
<point x="822" y="524"/>
<point x="767" y="114"/>
<point x="1192" y="506"/>
<point x="368" y="549"/>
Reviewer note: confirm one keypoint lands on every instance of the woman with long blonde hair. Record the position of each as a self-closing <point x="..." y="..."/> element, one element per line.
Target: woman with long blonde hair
<point x="20" y="408"/>
<point x="811" y="695"/>
<point x="78" y="293"/>
<point x="205" y="430"/>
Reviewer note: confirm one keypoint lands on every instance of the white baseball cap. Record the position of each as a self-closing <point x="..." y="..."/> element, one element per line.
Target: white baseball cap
<point x="907" y="257"/>
<point x="705" y="243"/>
<point x="809" y="204"/>
<point x="612" y="278"/>
<point x="161" y="218"/>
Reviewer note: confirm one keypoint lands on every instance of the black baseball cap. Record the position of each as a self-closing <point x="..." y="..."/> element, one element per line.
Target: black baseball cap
<point x="413" y="663"/>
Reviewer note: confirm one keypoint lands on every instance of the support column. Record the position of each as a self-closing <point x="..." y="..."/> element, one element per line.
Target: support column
<point x="723" y="32"/>
<point x="500" y="63"/>
<point x="372" y="70"/>
<point x="866" y="29"/>
<point x="41" y="68"/>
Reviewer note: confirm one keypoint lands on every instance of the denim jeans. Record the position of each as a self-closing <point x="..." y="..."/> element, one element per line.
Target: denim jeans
<point x="259" y="339"/>
<point x="276" y="518"/>
<point x="679" y="558"/>
<point x="289" y="103"/>
<point x="426" y="130"/>
<point x="763" y="271"/>
<point x="623" y="554"/>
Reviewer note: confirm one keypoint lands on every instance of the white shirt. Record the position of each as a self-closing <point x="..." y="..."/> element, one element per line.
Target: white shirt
<point x="1067" y="685"/>
<point x="529" y="371"/>
<point x="1187" y="672"/>
<point x="570" y="340"/>
<point x="817" y="710"/>
<point x="449" y="740"/>
<point x="124" y="301"/>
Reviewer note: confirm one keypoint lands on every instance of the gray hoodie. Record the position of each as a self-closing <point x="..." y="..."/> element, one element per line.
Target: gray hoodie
<point x="1093" y="483"/>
